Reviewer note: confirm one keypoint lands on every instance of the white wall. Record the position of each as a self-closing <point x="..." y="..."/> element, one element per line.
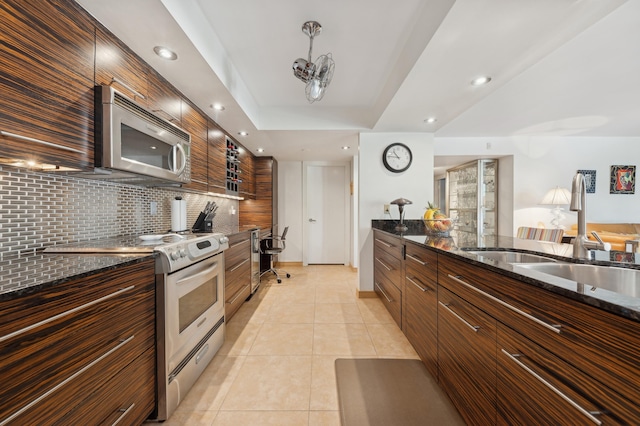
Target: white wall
<point x="540" y="164"/>
<point x="377" y="186"/>
<point x="290" y="208"/>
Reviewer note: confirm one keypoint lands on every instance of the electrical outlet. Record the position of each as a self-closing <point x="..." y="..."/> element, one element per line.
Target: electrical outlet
<point x="153" y="208"/>
<point x="386" y="209"/>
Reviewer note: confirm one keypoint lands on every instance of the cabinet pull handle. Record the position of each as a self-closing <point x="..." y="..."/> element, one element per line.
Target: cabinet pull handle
<point x="383" y="293"/>
<point x="65" y="313"/>
<point x="38" y="141"/>
<point x="239" y="243"/>
<point x="238" y="294"/>
<point x="239" y="265"/>
<point x="171" y="117"/>
<point x="416" y="284"/>
<point x="589" y="415"/>
<point x="553" y="327"/>
<point x="36" y="401"/>
<point x="417" y="260"/>
<point x="475" y="328"/>
<point x="382" y="263"/>
<point x="198" y="181"/>
<point x="126" y="86"/>
<point x="124" y="412"/>
<point x="384" y="243"/>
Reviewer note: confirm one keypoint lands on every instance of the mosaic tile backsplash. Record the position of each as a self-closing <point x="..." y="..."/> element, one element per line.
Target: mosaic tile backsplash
<point x="38" y="210"/>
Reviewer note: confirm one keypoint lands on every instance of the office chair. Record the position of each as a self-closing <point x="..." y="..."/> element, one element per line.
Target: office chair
<point x="272" y="246"/>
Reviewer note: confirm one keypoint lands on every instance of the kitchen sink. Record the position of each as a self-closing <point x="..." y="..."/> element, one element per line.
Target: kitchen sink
<point x="619" y="280"/>
<point x="511" y="256"/>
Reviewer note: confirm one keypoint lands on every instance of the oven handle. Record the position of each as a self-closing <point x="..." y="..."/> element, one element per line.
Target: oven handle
<point x="198" y="276"/>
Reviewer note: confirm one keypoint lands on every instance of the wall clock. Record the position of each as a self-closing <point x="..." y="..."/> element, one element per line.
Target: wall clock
<point x="397" y="157"/>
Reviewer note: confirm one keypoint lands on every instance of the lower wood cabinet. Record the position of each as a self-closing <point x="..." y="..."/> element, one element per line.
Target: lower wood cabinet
<point x="237" y="277"/>
<point x="66" y="348"/>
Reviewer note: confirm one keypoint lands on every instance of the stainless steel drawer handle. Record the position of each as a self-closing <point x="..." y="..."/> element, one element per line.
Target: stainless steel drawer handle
<point x="415" y="259"/>
<point x="416" y="284"/>
<point x="475" y="328"/>
<point x="54" y="389"/>
<point x="238" y="294"/>
<point x="383" y="293"/>
<point x="382" y="263"/>
<point x="126" y="86"/>
<point x="38" y="141"/>
<point x="124" y="412"/>
<point x="553" y="327"/>
<point x="239" y="243"/>
<point x="239" y="265"/>
<point x="588" y="414"/>
<point x="65" y="313"/>
<point x="384" y="243"/>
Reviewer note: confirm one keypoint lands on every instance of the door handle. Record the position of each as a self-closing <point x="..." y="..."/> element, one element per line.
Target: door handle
<point x="312" y="220"/>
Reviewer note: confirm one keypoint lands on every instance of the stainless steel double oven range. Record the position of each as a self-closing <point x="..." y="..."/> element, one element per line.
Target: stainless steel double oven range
<point x="190" y="305"/>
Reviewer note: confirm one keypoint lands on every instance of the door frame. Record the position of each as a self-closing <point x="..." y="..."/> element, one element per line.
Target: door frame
<point x="347" y="211"/>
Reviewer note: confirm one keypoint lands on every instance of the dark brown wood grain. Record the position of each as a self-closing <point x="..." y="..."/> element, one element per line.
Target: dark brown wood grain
<point x="467" y="358"/>
<point x="195" y="123"/>
<point x="217" y="158"/>
<point x="247" y="166"/>
<point x="46" y="81"/>
<point x="237" y="272"/>
<point x="262" y="212"/>
<point x="35" y="361"/>
<point x="164" y="99"/>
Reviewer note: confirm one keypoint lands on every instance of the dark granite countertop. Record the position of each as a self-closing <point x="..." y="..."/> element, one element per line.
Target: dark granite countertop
<point x="625" y="305"/>
<point x="26" y="273"/>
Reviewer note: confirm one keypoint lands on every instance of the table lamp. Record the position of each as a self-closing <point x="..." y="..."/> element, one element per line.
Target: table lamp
<point x="557" y="197"/>
<point x="401" y="202"/>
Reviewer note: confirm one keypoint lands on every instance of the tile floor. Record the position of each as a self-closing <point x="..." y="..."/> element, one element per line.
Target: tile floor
<point x="277" y="364"/>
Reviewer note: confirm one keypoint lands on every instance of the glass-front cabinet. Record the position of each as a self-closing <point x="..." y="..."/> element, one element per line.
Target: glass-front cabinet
<point x="472" y="202"/>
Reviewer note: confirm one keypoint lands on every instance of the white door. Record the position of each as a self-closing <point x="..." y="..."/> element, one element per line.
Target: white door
<point x="326" y="214"/>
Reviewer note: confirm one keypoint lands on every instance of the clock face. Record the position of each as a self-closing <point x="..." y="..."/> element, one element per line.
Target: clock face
<point x="397" y="157"/>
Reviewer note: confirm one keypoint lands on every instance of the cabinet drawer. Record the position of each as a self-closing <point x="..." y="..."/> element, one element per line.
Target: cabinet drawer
<point x="423" y="262"/>
<point x="122" y="399"/>
<point x="387" y="243"/>
<point x="421" y="319"/>
<point x="235" y="300"/>
<point x="467" y="357"/>
<point x="388" y="266"/>
<point x="560" y="393"/>
<point x="390" y="295"/>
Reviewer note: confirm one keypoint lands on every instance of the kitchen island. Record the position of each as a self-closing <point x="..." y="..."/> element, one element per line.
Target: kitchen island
<point x="512" y="345"/>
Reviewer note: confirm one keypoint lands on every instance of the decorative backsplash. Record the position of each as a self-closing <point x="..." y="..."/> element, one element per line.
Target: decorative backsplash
<point x="38" y="210"/>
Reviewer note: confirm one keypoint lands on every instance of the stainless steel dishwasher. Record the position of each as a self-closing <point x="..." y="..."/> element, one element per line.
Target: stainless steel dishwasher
<point x="255" y="260"/>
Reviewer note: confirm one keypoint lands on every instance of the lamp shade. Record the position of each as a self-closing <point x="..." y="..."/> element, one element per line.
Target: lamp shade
<point x="557" y="196"/>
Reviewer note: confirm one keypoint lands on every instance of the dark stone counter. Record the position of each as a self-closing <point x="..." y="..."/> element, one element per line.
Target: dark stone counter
<point x="625" y="305"/>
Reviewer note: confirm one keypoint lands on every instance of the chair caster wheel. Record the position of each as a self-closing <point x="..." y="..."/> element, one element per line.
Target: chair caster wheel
<point x="288" y="275"/>
<point x="279" y="280"/>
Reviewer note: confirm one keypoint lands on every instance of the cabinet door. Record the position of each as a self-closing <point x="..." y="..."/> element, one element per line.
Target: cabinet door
<point x="195" y="123"/>
<point x="217" y="158"/>
<point x="247" y="167"/>
<point x="237" y="284"/>
<point x="119" y="67"/>
<point x="46" y="81"/>
<point x="467" y="358"/>
<point x="164" y="99"/>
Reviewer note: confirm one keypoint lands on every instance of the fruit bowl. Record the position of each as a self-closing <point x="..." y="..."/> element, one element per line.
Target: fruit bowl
<point x="438" y="227"/>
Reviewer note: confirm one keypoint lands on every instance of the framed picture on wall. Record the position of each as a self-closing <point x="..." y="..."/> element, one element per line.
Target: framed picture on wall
<point x="589" y="180"/>
<point x="623" y="180"/>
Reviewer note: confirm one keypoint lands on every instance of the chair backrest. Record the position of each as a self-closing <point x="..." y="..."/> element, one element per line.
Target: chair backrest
<point x="540" y="234"/>
<point x="284" y="234"/>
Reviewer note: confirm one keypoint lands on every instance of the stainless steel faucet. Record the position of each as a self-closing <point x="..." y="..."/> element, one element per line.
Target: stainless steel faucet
<point x="582" y="245"/>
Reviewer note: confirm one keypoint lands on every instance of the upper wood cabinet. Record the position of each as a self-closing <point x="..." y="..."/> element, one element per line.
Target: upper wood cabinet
<point x="247" y="167"/>
<point x="263" y="211"/>
<point x="46" y="83"/>
<point x="164" y="99"/>
<point x="217" y="158"/>
<point x="194" y="122"/>
<point x="120" y="67"/>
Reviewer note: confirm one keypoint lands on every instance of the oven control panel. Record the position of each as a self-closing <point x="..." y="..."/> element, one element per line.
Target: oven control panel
<point x="184" y="253"/>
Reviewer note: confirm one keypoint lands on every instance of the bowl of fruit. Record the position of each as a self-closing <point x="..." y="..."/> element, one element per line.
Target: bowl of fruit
<point x="436" y="223"/>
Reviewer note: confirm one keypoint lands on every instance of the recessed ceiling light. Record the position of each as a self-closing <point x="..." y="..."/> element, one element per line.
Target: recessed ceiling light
<point x="346" y="147"/>
<point x="217" y="107"/>
<point x="165" y="53"/>
<point x="243" y="133"/>
<point x="260" y="149"/>
<point x="479" y="81"/>
<point x="430" y="120"/>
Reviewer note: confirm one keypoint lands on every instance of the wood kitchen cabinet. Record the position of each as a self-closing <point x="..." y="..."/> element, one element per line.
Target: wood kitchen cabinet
<point x="420" y="303"/>
<point x="164" y="99"/>
<point x="217" y="158"/>
<point x="81" y="350"/>
<point x="247" y="167"/>
<point x="262" y="212"/>
<point x="46" y="64"/>
<point x="196" y="124"/>
<point x="387" y="272"/>
<point x="237" y="284"/>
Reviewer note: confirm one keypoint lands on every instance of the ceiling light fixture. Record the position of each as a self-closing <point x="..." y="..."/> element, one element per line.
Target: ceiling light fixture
<point x="345" y="147"/>
<point x="217" y="107"/>
<point x="165" y="53"/>
<point x="317" y="75"/>
<point x="260" y="149"/>
<point x="243" y="133"/>
<point x="479" y="81"/>
<point x="430" y="120"/>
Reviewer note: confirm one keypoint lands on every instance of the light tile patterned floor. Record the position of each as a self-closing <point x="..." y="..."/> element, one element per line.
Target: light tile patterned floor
<point x="277" y="364"/>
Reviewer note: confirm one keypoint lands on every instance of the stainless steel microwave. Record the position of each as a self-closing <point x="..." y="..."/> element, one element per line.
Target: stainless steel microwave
<point x="134" y="145"/>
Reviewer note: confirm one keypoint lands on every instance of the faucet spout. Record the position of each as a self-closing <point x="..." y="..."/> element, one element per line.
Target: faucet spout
<point x="582" y="245"/>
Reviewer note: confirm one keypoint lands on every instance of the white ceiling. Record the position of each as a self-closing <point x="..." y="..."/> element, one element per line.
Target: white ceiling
<point x="558" y="67"/>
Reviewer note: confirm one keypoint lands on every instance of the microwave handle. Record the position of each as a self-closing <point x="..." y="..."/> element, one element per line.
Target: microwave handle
<point x="179" y="147"/>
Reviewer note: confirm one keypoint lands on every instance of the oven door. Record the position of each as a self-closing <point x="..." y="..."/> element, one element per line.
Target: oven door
<point x="194" y="302"/>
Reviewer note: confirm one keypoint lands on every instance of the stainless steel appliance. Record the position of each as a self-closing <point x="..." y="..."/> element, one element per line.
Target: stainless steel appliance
<point x="255" y="260"/>
<point x="137" y="146"/>
<point x="190" y="305"/>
